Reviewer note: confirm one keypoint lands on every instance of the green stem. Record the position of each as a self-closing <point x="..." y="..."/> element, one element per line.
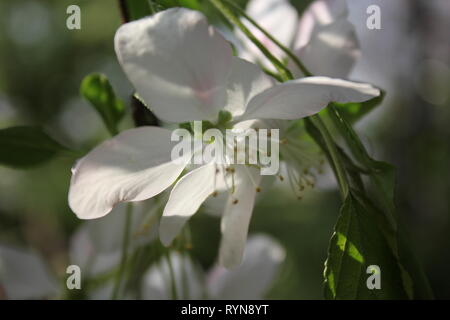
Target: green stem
<point x="125" y="244"/>
<point x="124" y="11"/>
<point x="340" y="172"/>
<point x="285" y="49"/>
<point x="173" y="285"/>
<point x="285" y="72"/>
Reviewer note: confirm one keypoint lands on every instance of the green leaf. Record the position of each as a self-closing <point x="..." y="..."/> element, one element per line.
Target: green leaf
<point x="382" y="190"/>
<point x="142" y="115"/>
<point x="381" y="174"/>
<point x="191" y="4"/>
<point x="24" y="147"/>
<point x="421" y="287"/>
<point x="138" y="9"/>
<point x="301" y="6"/>
<point x="98" y="91"/>
<point x="166" y="3"/>
<point x="353" y="171"/>
<point x="357" y="243"/>
<point x="352" y="112"/>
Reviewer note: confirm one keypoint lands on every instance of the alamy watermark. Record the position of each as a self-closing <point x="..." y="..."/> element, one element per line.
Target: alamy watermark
<point x="73" y="21"/>
<point x="374" y="280"/>
<point x="373" y="22"/>
<point x="74" y="279"/>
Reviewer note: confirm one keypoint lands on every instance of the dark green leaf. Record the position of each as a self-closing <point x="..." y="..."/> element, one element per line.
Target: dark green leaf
<point x="421" y="287"/>
<point x="382" y="184"/>
<point x="142" y="115"/>
<point x="138" y="9"/>
<point x="166" y="3"/>
<point x="98" y="91"/>
<point x="381" y="174"/>
<point x="24" y="147"/>
<point x="191" y="4"/>
<point x="352" y="112"/>
<point x="301" y="5"/>
<point x="353" y="171"/>
<point x="356" y="244"/>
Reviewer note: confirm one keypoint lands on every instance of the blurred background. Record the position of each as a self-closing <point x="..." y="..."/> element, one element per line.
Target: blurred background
<point x="42" y="64"/>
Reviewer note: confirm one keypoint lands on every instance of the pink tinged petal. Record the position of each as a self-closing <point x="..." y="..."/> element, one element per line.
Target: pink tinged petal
<point x="185" y="199"/>
<point x="133" y="166"/>
<point x="251" y="280"/>
<point x="304" y="97"/>
<point x="177" y="63"/>
<point x="246" y="80"/>
<point x="236" y="217"/>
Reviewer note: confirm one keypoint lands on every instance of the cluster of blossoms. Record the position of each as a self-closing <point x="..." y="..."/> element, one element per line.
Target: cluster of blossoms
<point x="184" y="70"/>
<point x="322" y="38"/>
<point x="95" y="249"/>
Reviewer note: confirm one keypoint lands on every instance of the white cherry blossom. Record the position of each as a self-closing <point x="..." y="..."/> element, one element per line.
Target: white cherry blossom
<point x="184" y="70"/>
<point x="323" y="38"/>
<point x="251" y="280"/>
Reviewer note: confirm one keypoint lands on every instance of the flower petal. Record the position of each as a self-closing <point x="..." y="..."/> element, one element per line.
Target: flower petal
<point x="185" y="199"/>
<point x="268" y="14"/>
<point x="177" y="63"/>
<point x="304" y="97"/>
<point x="319" y="13"/>
<point x="188" y="279"/>
<point x="236" y="218"/>
<point x="332" y="50"/>
<point x="96" y="245"/>
<point x="24" y="275"/>
<point x="245" y="81"/>
<point x="133" y="166"/>
<point x="326" y="41"/>
<point x="251" y="280"/>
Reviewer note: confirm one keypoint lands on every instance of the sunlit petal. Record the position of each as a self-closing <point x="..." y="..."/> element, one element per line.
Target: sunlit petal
<point x="177" y="63"/>
<point x="236" y="218"/>
<point x="133" y="166"/>
<point x="185" y="199"/>
<point x="304" y="97"/>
